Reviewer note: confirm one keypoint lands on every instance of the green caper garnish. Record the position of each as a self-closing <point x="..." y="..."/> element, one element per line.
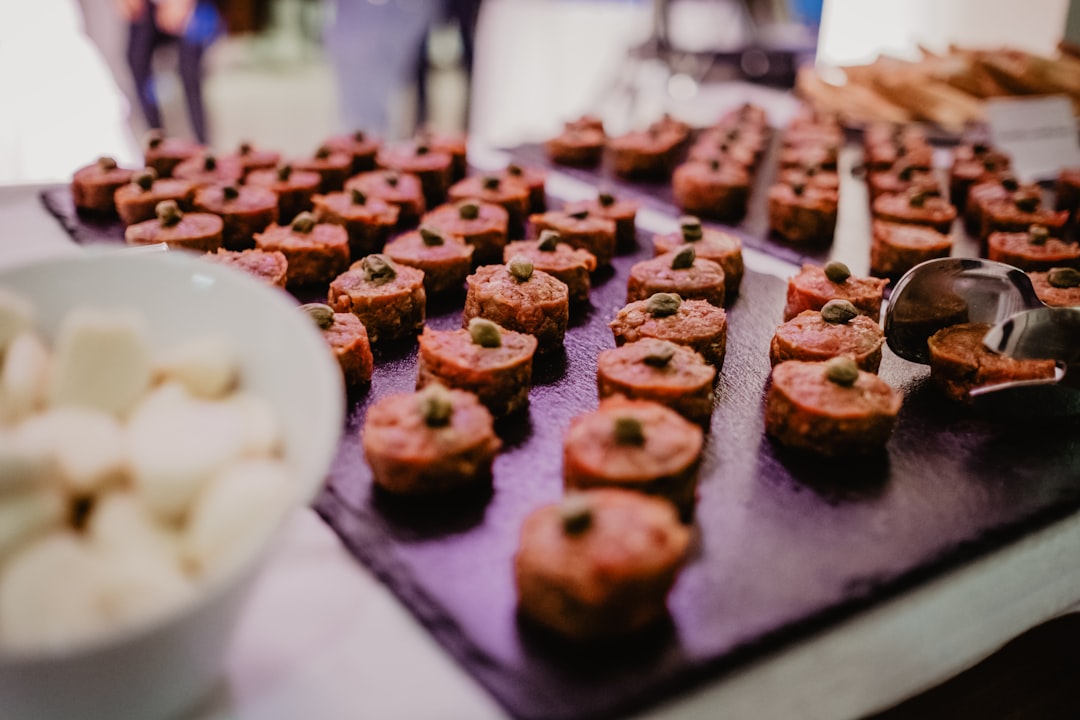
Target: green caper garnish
<point x="660" y="355"/>
<point x="485" y="333"/>
<point x="520" y="267"/>
<point x="284" y="173"/>
<point x="663" y="304"/>
<point x="1009" y="183"/>
<point x="515" y="170"/>
<point x="106" y="163"/>
<point x="469" y="210"/>
<point x="490" y="182"/>
<point x="303" y="223"/>
<point x="842" y="370"/>
<point x="906" y="173"/>
<point x="714" y="165"/>
<point x="358" y="197"/>
<point x="322" y="153"/>
<point x="359" y="136"/>
<point x="980" y="148"/>
<point x="431" y="236"/>
<point x="1027" y="203"/>
<point x="230" y="192"/>
<point x="168" y="213"/>
<point x="245" y="148"/>
<point x="629" y="431"/>
<point x="210" y="163"/>
<point x="691" y="228"/>
<point x="145" y="178"/>
<point x="798" y="188"/>
<point x="1063" y="277"/>
<point x="1038" y="234"/>
<point x="811" y="170"/>
<point x="838" y="272"/>
<point x="575" y="513"/>
<point x="684" y="258"/>
<point x="321" y="314"/>
<point x="378" y="269"/>
<point x="436" y="405"/>
<point x="422" y="149"/>
<point x="917" y="199"/>
<point x="154" y="138"/>
<point x="838" y="312"/>
<point x="580" y="214"/>
<point x="606" y="199"/>
<point x="392" y="178"/>
<point x="549" y="241"/>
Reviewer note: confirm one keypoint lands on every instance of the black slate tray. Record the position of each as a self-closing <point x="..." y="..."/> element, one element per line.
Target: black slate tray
<point x="785" y="544"/>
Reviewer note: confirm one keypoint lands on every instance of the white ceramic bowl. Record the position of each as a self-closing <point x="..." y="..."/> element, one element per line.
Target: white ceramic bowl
<point x="159" y="669"/>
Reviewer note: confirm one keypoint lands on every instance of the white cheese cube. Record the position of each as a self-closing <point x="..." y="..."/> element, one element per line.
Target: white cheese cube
<point x="233" y="514"/>
<point x="50" y="595"/>
<point x="102" y="361"/>
<point x="140" y="584"/>
<point x="22" y="463"/>
<point x="26" y="514"/>
<point x="120" y="522"/>
<point x="87" y="446"/>
<point x="16" y="317"/>
<point x="24" y="377"/>
<point x="176" y="444"/>
<point x="262" y="432"/>
<point x="207" y="366"/>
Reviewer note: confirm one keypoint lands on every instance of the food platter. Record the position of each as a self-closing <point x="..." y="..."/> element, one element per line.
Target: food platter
<point x="784" y="545"/>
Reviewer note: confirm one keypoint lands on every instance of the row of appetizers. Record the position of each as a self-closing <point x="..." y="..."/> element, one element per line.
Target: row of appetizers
<point x="804" y="200"/>
<point x="821" y="320"/>
<point x="531" y="293"/>
<point x="913" y="217"/>
<point x="714" y="181"/>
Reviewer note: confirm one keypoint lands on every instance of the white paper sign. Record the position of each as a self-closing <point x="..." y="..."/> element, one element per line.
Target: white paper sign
<point x="1039" y="133"/>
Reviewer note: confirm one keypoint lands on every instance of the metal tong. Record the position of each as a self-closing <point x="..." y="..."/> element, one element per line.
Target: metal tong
<point x="940" y="293"/>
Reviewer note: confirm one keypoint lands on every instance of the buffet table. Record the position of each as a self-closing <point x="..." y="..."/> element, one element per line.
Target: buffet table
<point x="323" y="638"/>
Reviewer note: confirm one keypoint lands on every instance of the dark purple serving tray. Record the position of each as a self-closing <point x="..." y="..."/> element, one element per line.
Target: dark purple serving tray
<point x="785" y="544"/>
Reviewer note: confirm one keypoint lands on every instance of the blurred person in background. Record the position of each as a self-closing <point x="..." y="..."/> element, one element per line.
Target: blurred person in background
<point x="193" y="25"/>
<point x="378" y="50"/>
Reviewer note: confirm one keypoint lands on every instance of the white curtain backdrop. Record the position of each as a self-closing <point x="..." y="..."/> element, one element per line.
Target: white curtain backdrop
<point x="61" y="108"/>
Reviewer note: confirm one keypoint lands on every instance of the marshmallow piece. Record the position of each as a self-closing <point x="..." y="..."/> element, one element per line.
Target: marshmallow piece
<point x="16" y="317"/>
<point x="234" y="513"/>
<point x="120" y="523"/>
<point x="176" y="444"/>
<point x="102" y="360"/>
<point x="207" y="366"/>
<point x="137" y="585"/>
<point x="28" y="513"/>
<point x="24" y="377"/>
<point x="22" y="463"/>
<point x="50" y="595"/>
<point x="86" y="446"/>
